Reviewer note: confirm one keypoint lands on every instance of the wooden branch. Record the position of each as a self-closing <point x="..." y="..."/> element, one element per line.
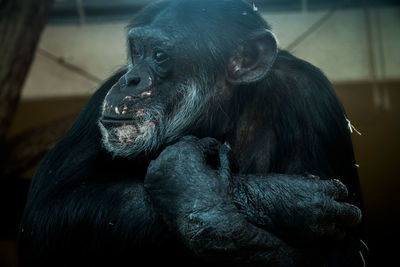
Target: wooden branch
<point x="25" y="150"/>
<point x="21" y="23"/>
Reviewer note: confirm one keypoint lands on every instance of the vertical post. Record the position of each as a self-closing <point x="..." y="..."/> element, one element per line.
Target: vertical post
<point x="376" y="94"/>
<point x="81" y="12"/>
<point x="382" y="61"/>
<point x="21" y="23"/>
<point x="304" y="6"/>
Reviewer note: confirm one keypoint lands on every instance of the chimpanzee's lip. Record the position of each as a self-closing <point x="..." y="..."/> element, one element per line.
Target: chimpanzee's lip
<point x="115" y="120"/>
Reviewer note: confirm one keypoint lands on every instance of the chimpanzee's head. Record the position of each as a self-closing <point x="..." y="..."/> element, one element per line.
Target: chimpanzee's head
<point x="185" y="60"/>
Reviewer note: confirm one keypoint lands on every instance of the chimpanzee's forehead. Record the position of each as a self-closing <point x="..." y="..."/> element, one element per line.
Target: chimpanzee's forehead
<point x="183" y="18"/>
<point x="148" y="33"/>
<point x="153" y="36"/>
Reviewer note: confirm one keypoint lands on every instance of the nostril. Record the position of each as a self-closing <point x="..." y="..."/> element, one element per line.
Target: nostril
<point x="133" y="80"/>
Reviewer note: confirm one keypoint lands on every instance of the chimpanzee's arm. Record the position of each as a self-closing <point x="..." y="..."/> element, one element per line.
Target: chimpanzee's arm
<point x="102" y="219"/>
<point x="83" y="216"/>
<point x="303" y="209"/>
<point x="244" y="219"/>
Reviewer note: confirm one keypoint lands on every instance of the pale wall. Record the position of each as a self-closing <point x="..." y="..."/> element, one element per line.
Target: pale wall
<point x="339" y="48"/>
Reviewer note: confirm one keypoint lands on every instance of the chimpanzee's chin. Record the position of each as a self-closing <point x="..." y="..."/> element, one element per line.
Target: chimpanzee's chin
<point x="128" y="151"/>
<point x="129" y="140"/>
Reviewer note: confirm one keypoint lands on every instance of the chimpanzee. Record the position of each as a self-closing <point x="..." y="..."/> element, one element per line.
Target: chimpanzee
<point x="212" y="146"/>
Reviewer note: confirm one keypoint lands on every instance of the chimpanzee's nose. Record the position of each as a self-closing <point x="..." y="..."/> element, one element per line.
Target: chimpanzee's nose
<point x="132" y="80"/>
<point x="135" y="81"/>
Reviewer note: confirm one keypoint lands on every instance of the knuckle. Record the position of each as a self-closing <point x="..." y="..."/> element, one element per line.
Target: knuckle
<point x="341" y="190"/>
<point x="166" y="155"/>
<point x="357" y="214"/>
<point x="352" y="214"/>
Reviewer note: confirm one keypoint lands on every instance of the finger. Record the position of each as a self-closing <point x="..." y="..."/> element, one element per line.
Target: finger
<point x="206" y="146"/>
<point x="345" y="214"/>
<point x="330" y="230"/>
<point x="336" y="189"/>
<point x="209" y="145"/>
<point x="227" y="158"/>
<point x="224" y="170"/>
<point x="224" y="167"/>
<point x="233" y="163"/>
<point x="210" y="150"/>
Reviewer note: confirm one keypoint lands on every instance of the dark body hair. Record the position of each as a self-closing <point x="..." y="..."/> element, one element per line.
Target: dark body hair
<point x="87" y="206"/>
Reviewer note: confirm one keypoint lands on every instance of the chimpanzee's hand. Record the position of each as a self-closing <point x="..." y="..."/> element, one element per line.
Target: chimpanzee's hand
<point x="181" y="179"/>
<point x="299" y="208"/>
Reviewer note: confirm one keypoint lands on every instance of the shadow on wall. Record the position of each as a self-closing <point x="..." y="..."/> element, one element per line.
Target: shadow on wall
<point x="377" y="151"/>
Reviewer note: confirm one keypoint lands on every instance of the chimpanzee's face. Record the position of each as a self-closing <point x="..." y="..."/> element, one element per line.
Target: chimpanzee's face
<point x="155" y="101"/>
<point x="182" y="70"/>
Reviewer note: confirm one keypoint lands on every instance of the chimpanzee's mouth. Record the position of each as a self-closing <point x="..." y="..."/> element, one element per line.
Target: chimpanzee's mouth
<point x="131" y="134"/>
<point x="123" y="131"/>
<point x="139" y="126"/>
<point x="114" y="121"/>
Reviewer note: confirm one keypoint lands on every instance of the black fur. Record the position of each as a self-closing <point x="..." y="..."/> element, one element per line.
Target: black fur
<point x="180" y="200"/>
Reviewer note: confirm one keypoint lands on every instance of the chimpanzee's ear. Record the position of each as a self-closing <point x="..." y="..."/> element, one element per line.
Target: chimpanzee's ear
<point x="251" y="61"/>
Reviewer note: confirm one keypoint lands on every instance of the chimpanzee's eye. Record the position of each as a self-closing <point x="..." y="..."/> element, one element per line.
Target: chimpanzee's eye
<point x="135" y="51"/>
<point x="160" y="56"/>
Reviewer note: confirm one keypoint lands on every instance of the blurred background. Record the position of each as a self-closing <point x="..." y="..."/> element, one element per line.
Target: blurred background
<point x="82" y="42"/>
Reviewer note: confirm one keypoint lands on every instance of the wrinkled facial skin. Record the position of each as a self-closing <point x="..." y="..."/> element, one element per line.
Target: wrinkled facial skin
<point x="150" y="105"/>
